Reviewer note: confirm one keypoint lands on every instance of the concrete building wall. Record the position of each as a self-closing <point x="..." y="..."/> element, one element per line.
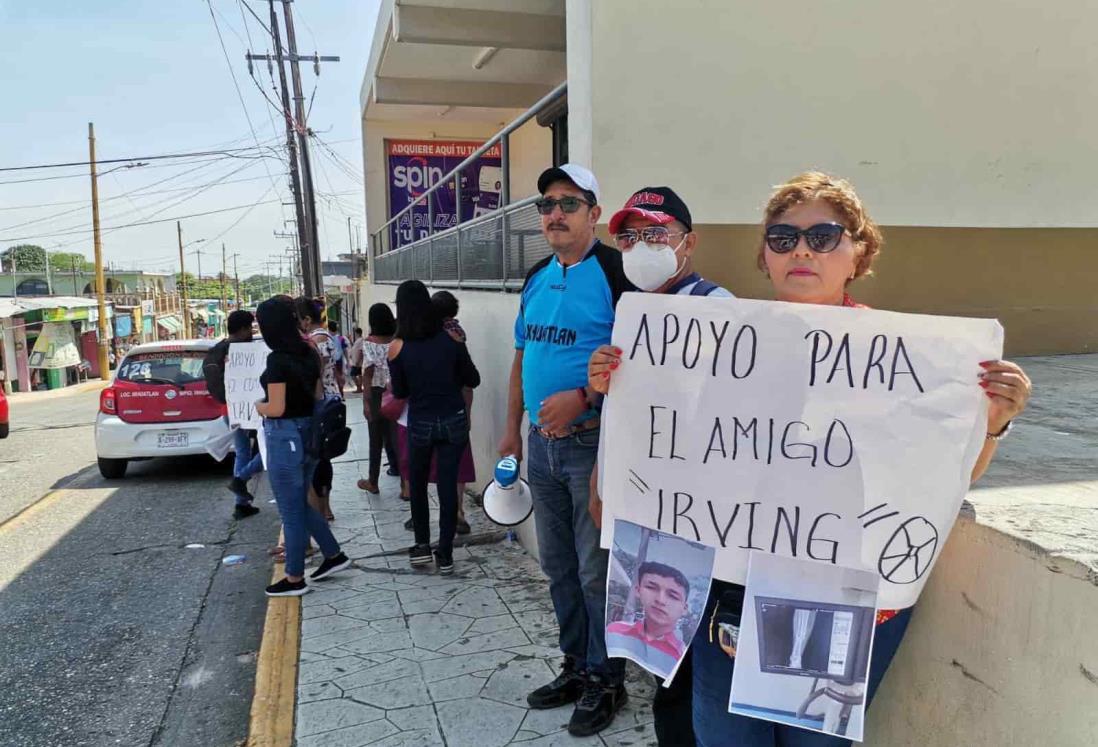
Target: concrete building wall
<point x="962" y="126"/>
<point x="1001" y="651"/>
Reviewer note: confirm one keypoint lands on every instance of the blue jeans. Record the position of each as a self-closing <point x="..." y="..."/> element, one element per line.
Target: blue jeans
<point x="290" y="471"/>
<point x="246" y="464"/>
<point x="559" y="471"/>
<point x="714" y="726"/>
<point x="444" y="437"/>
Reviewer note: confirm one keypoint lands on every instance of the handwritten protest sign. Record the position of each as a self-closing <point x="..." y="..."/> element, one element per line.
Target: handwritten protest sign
<point x="243" y="367"/>
<point x="839" y="435"/>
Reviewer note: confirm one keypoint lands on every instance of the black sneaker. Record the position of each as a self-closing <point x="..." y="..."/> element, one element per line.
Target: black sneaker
<point x="331" y="565"/>
<point x="239" y="487"/>
<point x="596" y="709"/>
<point x="445" y="563"/>
<point x="287" y="588"/>
<point x="566" y="688"/>
<point x="392" y="472"/>
<point x="409" y="525"/>
<point x="419" y="554"/>
<point x="244" y="510"/>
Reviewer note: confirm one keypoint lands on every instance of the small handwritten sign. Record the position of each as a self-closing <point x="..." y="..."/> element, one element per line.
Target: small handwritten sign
<point x="243" y="367"/>
<point x="845" y="436"/>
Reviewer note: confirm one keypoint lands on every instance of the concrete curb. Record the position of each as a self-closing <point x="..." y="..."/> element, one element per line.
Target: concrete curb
<point x="271" y="723"/>
<point x="20" y="398"/>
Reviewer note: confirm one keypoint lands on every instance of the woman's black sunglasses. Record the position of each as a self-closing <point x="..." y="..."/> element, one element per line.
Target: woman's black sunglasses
<point x="568" y="204"/>
<point x="782" y="238"/>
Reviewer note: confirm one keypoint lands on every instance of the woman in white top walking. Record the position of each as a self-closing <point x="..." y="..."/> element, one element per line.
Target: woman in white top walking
<point x="310" y="312"/>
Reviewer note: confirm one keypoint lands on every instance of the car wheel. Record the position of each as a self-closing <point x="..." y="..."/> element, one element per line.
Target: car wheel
<point x="112" y="469"/>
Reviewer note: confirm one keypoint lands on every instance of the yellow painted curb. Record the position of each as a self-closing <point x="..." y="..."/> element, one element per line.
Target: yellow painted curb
<point x="272" y="719"/>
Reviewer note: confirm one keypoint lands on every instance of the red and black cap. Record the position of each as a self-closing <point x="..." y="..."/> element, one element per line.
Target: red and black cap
<point x="658" y="204"/>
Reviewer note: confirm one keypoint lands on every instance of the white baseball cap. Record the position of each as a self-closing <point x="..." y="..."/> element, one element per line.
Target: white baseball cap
<point x="570" y="172"/>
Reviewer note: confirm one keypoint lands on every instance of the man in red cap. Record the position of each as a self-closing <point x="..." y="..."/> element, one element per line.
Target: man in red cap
<point x="655" y="234"/>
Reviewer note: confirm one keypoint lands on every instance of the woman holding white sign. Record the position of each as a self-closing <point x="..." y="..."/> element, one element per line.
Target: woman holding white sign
<point x="817" y="239"/>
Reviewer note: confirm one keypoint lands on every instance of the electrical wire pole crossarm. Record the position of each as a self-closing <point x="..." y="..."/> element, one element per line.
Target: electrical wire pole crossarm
<point x="100" y="281"/>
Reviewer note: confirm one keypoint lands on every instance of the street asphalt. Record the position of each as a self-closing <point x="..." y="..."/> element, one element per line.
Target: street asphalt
<point x="113" y="631"/>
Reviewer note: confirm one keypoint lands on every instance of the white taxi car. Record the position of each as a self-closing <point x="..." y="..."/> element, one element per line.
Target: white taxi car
<point x="157" y="406"/>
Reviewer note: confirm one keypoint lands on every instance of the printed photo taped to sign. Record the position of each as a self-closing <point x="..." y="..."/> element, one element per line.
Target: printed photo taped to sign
<point x="841" y="435"/>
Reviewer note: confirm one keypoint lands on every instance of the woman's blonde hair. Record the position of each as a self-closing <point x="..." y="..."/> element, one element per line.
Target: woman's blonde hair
<point x="840" y="195"/>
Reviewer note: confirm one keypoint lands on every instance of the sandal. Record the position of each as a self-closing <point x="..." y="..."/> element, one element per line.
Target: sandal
<point x="369" y="486"/>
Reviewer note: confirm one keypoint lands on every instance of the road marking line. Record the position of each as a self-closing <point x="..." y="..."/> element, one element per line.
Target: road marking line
<point x="272" y="717"/>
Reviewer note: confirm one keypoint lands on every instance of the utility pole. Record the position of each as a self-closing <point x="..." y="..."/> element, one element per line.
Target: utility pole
<point x="100" y="282"/>
<point x="236" y="280"/>
<point x="14" y="279"/>
<point x="224" y="297"/>
<point x="183" y="281"/>
<point x="49" y="280"/>
<point x="304" y="198"/>
<point x="73" y="261"/>
<point x="198" y="253"/>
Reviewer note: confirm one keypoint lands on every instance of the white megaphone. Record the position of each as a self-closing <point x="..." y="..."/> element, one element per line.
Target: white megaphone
<point x="507" y="498"/>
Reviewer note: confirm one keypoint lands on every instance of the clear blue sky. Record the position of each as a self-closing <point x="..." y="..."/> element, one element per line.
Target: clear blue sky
<point x="152" y="77"/>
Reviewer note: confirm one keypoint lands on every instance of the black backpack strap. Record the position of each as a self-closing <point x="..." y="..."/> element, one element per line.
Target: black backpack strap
<point x="703" y="288"/>
<point x="609" y="260"/>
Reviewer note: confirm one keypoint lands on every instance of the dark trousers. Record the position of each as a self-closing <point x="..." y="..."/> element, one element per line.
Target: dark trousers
<point x="445" y="438"/>
<point x="382" y="434"/>
<point x="673" y="708"/>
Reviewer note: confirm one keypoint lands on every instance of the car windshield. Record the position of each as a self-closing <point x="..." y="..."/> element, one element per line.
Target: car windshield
<point x="177" y="367"/>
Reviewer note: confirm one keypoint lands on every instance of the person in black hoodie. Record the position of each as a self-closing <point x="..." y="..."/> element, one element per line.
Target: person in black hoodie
<point x="291" y="383"/>
<point x="430" y="369"/>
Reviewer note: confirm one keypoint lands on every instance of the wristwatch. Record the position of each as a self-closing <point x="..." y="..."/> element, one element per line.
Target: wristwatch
<point x="1001" y="434"/>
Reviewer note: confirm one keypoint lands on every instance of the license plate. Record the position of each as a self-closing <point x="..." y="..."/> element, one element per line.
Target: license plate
<point x="172" y="439"/>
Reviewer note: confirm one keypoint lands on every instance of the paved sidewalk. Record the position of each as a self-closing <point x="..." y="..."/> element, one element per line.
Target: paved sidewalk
<point x="394" y="656"/>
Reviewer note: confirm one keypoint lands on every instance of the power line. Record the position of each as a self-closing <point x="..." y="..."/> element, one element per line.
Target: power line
<point x="227" y="153"/>
<point x="236" y="86"/>
<point x="140" y="223"/>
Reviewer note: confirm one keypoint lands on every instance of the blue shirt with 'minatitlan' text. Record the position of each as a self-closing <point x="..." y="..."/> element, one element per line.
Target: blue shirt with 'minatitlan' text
<point x="565" y="313"/>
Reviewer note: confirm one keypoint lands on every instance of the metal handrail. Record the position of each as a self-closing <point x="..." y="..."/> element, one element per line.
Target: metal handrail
<point x="522" y="119"/>
<point x="471" y="223"/>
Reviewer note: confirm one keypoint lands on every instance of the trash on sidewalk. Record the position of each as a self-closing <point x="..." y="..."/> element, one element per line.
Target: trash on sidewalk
<point x="194" y="546"/>
<point x="233" y="559"/>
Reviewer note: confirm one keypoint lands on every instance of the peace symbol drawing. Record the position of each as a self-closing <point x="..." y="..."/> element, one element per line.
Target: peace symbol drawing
<point x="908" y="554"/>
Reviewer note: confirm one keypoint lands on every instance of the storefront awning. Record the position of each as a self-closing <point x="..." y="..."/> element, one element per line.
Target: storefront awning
<point x="171" y="323"/>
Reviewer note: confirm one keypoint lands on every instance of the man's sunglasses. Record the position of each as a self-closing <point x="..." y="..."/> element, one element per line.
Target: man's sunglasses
<point x="568" y="204"/>
<point x="782" y="238"/>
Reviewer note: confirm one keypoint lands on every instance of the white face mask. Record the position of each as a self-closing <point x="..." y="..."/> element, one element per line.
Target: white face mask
<point x="648" y="266"/>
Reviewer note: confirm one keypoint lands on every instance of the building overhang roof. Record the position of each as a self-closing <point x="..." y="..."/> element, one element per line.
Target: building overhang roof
<point x="462" y="59"/>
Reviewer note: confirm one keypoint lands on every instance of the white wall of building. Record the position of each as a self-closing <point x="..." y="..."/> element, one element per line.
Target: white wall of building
<point x="978" y="113"/>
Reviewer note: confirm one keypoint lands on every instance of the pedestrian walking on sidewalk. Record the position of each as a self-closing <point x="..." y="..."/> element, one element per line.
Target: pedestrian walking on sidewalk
<point x="354" y="359"/>
<point x="247" y="462"/>
<point x="291" y="384"/>
<point x="374" y="353"/>
<point x="566" y="311"/>
<point x="430" y="368"/>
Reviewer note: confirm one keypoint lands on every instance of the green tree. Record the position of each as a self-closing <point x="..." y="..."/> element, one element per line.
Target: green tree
<point x="69" y="261"/>
<point x="28" y="258"/>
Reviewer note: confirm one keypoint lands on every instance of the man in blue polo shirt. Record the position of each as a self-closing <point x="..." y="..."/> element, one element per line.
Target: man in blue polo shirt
<point x="565" y="313"/>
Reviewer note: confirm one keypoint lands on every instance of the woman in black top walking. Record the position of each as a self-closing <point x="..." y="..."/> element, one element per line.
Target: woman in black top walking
<point x="291" y="382"/>
<point x="430" y="368"/>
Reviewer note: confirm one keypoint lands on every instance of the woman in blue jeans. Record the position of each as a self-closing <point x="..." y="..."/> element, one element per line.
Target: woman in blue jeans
<point x="817" y="239"/>
<point x="291" y="383"/>
<point x="430" y="368"/>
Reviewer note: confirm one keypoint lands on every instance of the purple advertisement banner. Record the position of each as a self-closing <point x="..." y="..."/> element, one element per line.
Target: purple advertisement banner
<point x="416" y="165"/>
